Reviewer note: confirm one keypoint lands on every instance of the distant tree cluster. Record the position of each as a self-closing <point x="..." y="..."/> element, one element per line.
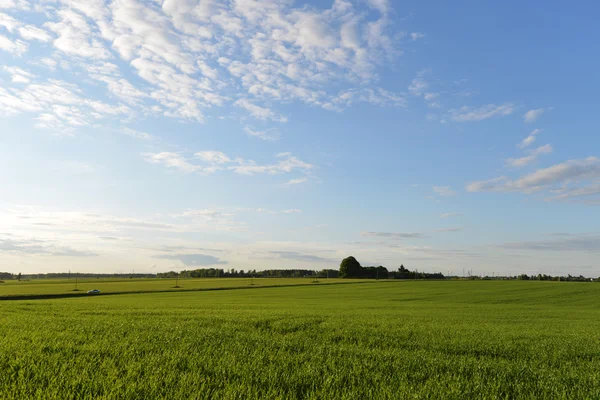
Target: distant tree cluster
<point x="67" y="275"/>
<point x="6" y="276"/>
<point x="404" y="273"/>
<point x="541" y="277"/>
<point x="233" y="273"/>
<point x="351" y="268"/>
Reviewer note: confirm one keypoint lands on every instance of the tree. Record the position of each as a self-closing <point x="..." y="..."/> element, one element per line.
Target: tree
<point x="19" y="277"/>
<point x="350" y="268"/>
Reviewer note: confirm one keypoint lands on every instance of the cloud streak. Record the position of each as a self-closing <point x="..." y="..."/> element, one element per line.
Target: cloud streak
<point x="529" y="139"/>
<point x="559" y="178"/>
<point x="533" y="156"/>
<point x="193" y="260"/>
<point x="393" y="235"/>
<point x="533" y="115"/>
<point x="213" y="161"/>
<point x="468" y="114"/>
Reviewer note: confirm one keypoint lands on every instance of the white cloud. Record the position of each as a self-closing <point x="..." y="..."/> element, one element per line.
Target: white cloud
<point x="467" y="114"/>
<point x="260" y="112"/>
<point x="393" y="235"/>
<point x="566" y="173"/>
<point x="76" y="37"/>
<point x="136" y="134"/>
<point x="181" y="59"/>
<point x="417" y="35"/>
<point x="444" y="191"/>
<point x="216" y="160"/>
<point x="27" y="32"/>
<point x="30" y="32"/>
<point x="454" y="229"/>
<point x="18" y="75"/>
<point x="213" y="157"/>
<point x="292" y="211"/>
<point x="46" y="62"/>
<point x="287" y="164"/>
<point x="17" y="47"/>
<point x="263" y="135"/>
<point x="523" y="161"/>
<point x="377" y="96"/>
<point x="171" y="160"/>
<point x="60" y="105"/>
<point x="529" y="139"/>
<point x="32" y="246"/>
<point x="23" y="5"/>
<point x="533" y="115"/>
<point x="430" y="96"/>
<point x="566" y="242"/>
<point x="297" y="181"/>
<point x="576" y="193"/>
<point x="8" y="22"/>
<point x="382" y="5"/>
<point x="418" y="86"/>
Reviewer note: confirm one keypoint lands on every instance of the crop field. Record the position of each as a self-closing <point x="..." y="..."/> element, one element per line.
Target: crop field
<point x="375" y="340"/>
<point x="58" y="287"/>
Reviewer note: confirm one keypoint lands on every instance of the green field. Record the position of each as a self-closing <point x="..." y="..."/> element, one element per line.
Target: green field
<point x="376" y="340"/>
<point x="41" y="287"/>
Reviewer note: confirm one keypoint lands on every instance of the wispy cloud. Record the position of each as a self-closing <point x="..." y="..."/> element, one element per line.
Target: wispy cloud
<point x="180" y="60"/>
<point x="393" y="235"/>
<point x="523" y="161"/>
<point x="577" y="194"/>
<point x="258" y="112"/>
<point x="193" y="260"/>
<point x="292" y="255"/>
<point x="533" y="115"/>
<point x="444" y="191"/>
<point x="557" y="178"/>
<point x="572" y="243"/>
<point x="297" y="181"/>
<point x="171" y="160"/>
<point x="261" y="134"/>
<point x="468" y="114"/>
<point x="418" y="86"/>
<point x="27" y="247"/>
<point x="215" y="161"/>
<point x="529" y="139"/>
<point x="136" y="134"/>
<point x="453" y="229"/>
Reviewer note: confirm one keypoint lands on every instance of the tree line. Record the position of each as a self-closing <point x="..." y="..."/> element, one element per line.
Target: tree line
<point x="233" y="273"/>
<point x="351" y="268"/>
<point x="66" y="275"/>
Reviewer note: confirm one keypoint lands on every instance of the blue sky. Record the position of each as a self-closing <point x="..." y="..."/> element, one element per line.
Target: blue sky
<point x="162" y="135"/>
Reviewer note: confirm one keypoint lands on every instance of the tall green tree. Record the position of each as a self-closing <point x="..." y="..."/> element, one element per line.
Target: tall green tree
<point x="350" y="268"/>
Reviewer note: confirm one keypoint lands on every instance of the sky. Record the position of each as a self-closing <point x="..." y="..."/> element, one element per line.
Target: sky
<point x="156" y="135"/>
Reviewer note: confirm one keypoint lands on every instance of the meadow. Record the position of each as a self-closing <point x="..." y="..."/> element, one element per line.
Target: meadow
<point x="66" y="287"/>
<point x="373" y="340"/>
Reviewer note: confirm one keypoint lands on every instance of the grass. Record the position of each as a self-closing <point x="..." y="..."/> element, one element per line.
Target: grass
<point x="384" y="340"/>
<point x="57" y="287"/>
